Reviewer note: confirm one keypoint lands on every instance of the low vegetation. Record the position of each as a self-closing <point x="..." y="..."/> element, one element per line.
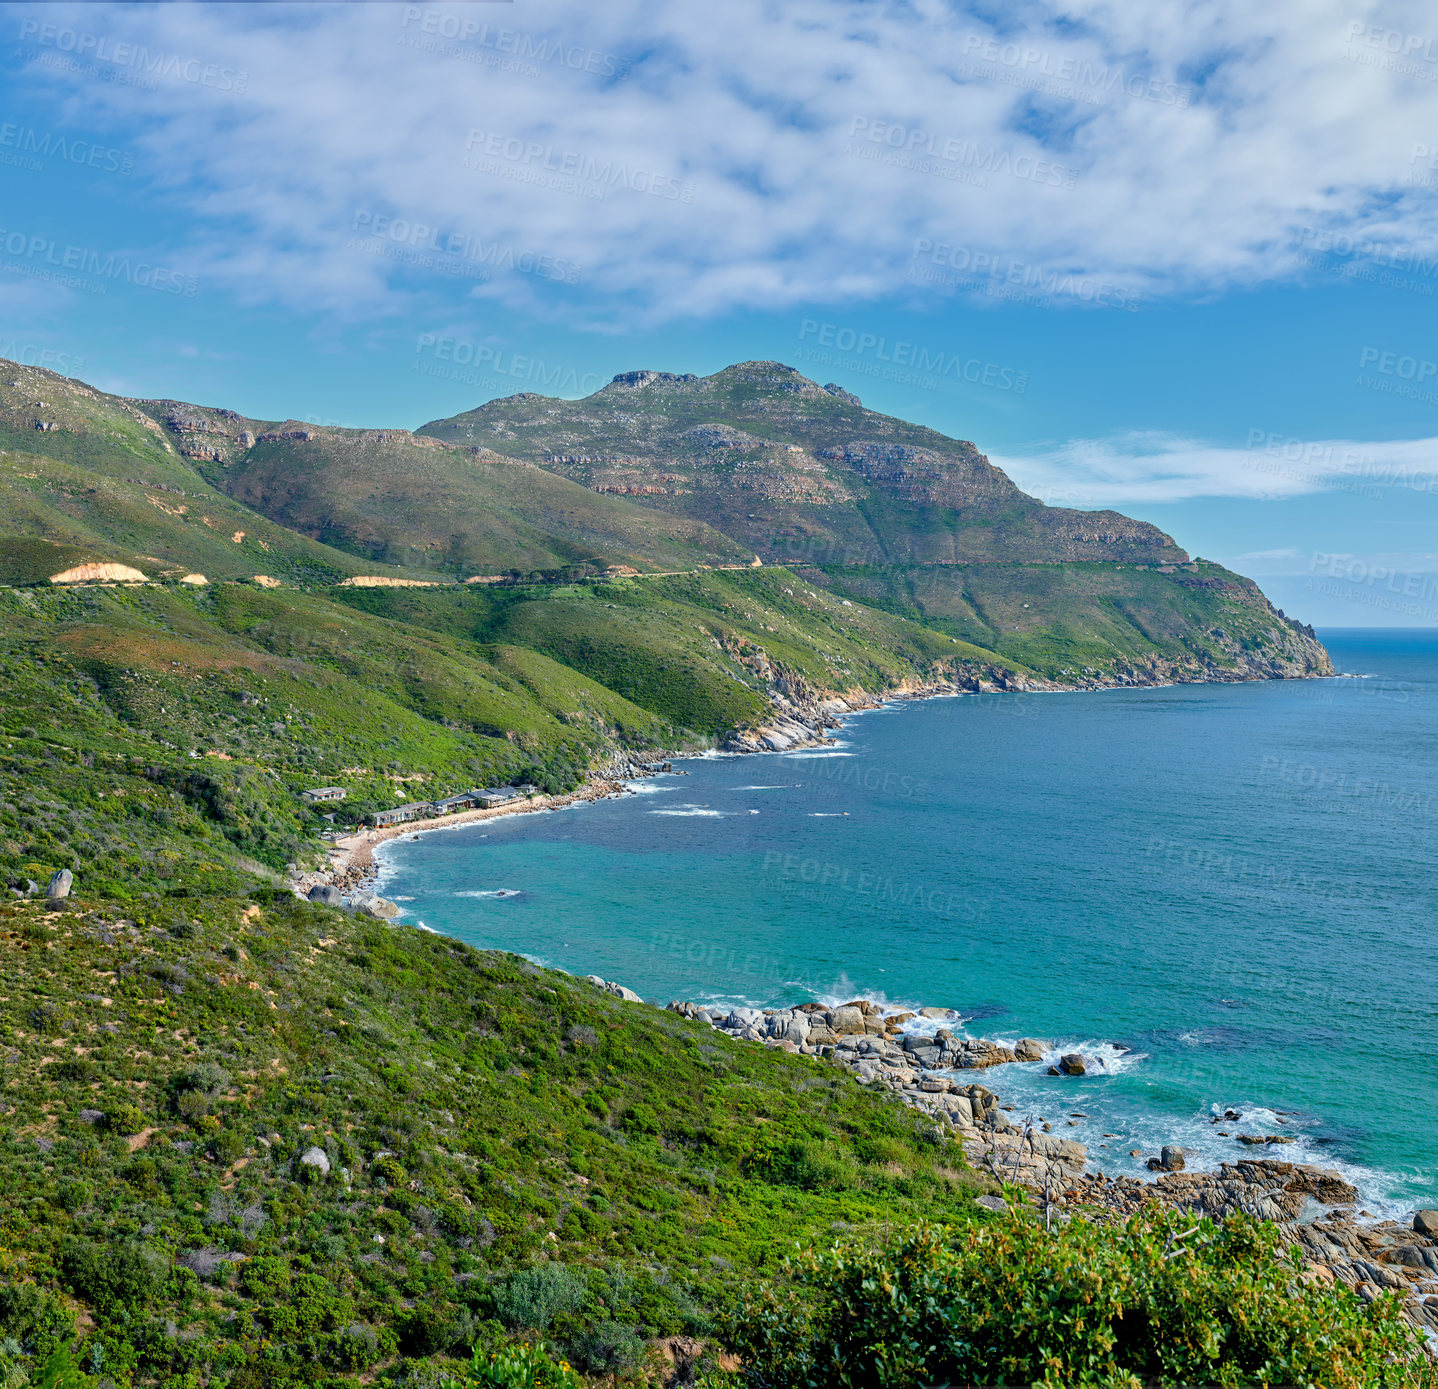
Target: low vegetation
<point x="248" y="1140"/>
<point x="1158" y="1300"/>
<point x="268" y="1142"/>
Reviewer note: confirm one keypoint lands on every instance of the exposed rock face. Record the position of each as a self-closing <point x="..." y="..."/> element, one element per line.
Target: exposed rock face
<point x="1426" y="1223"/>
<point x="790" y="442"/>
<point x="1028" y="1049"/>
<point x="1072" y="1064"/>
<point x="59" y="885"/>
<point x="368" y="904"/>
<point x="330" y="896"/>
<point x="99" y="573"/>
<point x="317" y="1159"/>
<point x="618" y="990"/>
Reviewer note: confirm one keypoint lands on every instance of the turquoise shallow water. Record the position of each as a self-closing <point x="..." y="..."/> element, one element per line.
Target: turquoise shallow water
<point x="1225" y="895"/>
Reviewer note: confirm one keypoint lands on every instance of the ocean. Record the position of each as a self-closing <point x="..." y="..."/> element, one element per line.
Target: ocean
<point x="1226" y="896"/>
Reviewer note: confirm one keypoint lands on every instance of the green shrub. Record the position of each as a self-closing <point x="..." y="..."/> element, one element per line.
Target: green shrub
<point x="227" y="1146"/>
<point x="531" y="1299"/>
<point x="641" y="1118"/>
<point x="1147" y="1302"/>
<point x="35" y="1320"/>
<point x="515" y="1367"/>
<point x="123" y="1273"/>
<point x="124" y="1119"/>
<point x="606" y="1347"/>
<point x="265" y="1278"/>
<point x="75" y="1071"/>
<point x="389" y="1171"/>
<point x="806" y="1163"/>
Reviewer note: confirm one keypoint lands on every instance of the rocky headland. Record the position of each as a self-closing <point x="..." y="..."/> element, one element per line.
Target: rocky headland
<point x="1315" y="1208"/>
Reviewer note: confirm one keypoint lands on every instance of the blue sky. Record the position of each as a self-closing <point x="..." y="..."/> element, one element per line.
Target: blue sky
<point x="1183" y="262"/>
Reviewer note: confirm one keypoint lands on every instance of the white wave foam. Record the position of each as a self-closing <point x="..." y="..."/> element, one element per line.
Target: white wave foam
<point x="762" y="788"/>
<point x="811" y="755"/>
<point x="693" y="810"/>
<point x="491" y="892"/>
<point x="646" y="788"/>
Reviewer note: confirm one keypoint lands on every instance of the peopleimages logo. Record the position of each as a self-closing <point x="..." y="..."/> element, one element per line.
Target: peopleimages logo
<point x="475" y="363"/>
<point x="120" y="54"/>
<point x="1004" y="277"/>
<point x="27" y="142"/>
<point x="911" y="355"/>
<point x="526" y="49"/>
<point x="484" y="149"/>
<point x="49" y="358"/>
<point x="917" y="144"/>
<point x="425" y="243"/>
<point x="47" y="255"/>
<point x="1078" y="72"/>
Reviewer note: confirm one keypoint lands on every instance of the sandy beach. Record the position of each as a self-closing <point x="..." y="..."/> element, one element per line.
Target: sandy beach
<point x="352" y="864"/>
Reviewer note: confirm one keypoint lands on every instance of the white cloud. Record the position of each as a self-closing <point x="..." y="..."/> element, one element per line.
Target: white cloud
<point x="1141" y="467"/>
<point x="771" y="155"/>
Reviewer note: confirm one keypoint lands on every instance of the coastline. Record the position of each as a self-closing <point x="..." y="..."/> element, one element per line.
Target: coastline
<point x="917" y="1056"/>
<point x="353" y="865"/>
<point x="801" y="722"/>
<point x="1344" y="1244"/>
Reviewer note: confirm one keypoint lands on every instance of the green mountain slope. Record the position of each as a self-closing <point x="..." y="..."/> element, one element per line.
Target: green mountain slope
<point x="507" y="1150"/>
<point x="797" y="471"/>
<point x="900" y="517"/>
<point x="652" y="473"/>
<point x="394" y="497"/>
<point x="99" y="477"/>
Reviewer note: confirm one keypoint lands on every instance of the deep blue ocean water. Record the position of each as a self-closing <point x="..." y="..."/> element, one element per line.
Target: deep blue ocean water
<point x="1226" y="895"/>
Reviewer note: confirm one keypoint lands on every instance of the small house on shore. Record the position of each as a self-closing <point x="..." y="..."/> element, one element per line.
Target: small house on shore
<point x="415" y="810"/>
<point x="317" y="794"/>
<point x="463" y="801"/>
<point x="490" y="796"/>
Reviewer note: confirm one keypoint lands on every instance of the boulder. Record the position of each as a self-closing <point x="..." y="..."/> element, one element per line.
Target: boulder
<point x="368" y="904"/>
<point x="1072" y="1064"/>
<point x="977" y="1055"/>
<point x="738" y="1018"/>
<point x="1426" y="1223"/>
<point x="316" y="1158"/>
<point x="1171" y="1159"/>
<point x="629" y="996"/>
<point x="1029" y="1050"/>
<point x="847" y="1020"/>
<point x="960" y="1111"/>
<point x="327" y="894"/>
<point x="60" y="885"/>
<point x="942" y="1014"/>
<point x="791" y="1028"/>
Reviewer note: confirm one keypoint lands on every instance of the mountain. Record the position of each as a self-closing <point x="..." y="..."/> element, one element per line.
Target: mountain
<point x="891" y="556"/>
<point x="255" y="1141"/>
<point x="898" y="516"/>
<point x="410" y="500"/>
<point x="797" y="471"/>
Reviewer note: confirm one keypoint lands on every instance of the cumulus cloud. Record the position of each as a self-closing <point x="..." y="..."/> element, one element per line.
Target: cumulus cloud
<point x="677" y="160"/>
<point x="1148" y="466"/>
